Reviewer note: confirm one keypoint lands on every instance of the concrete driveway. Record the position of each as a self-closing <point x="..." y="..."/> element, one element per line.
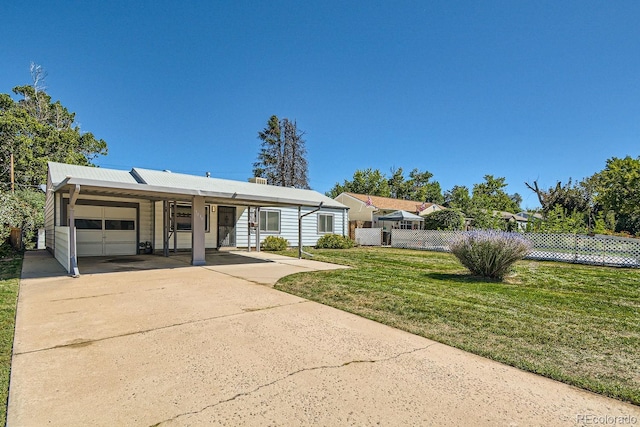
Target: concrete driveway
<point x="172" y="344"/>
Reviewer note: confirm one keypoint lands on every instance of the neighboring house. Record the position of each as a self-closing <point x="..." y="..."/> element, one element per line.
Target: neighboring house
<point x="520" y="222"/>
<point x="103" y="212"/>
<point x="364" y="210"/>
<point x="534" y="216"/>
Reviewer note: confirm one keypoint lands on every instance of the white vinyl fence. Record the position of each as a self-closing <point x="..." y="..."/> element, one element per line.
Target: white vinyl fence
<point x="369" y="236"/>
<point x="582" y="249"/>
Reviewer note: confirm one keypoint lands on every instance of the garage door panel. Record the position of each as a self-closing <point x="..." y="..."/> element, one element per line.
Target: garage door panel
<point x="119" y="213"/>
<point x="105" y="231"/>
<point x="86" y="211"/>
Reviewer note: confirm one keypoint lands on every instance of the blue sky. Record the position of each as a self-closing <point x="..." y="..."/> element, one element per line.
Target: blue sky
<point x="527" y="90"/>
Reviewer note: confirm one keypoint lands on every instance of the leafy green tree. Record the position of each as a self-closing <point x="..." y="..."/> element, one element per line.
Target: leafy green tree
<point x="618" y="186"/>
<point x="36" y="130"/>
<point x="397" y="184"/>
<point x="282" y="157"/>
<point x="448" y="219"/>
<point x="458" y="198"/>
<point x="22" y="209"/>
<point x="421" y="188"/>
<point x="617" y="189"/>
<point x="490" y="195"/>
<point x="368" y="181"/>
<point x="558" y="220"/>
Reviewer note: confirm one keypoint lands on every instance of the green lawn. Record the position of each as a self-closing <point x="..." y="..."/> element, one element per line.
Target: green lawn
<point x="9" y="277"/>
<point x="573" y="323"/>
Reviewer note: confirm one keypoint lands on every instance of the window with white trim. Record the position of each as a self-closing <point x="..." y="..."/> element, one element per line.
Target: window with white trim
<point x="269" y="221"/>
<point x="325" y="223"/>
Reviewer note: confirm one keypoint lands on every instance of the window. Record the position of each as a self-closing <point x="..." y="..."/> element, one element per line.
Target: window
<point x="88" y="224"/>
<point x="270" y="221"/>
<point x="325" y="223"/>
<point x="119" y="224"/>
<point x="183" y="217"/>
<point x="406" y="225"/>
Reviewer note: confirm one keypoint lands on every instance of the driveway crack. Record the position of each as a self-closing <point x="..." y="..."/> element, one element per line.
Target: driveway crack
<point x="84" y="342"/>
<point x="291" y="374"/>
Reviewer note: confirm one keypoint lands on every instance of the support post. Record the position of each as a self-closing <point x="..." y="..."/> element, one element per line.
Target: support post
<point x="73" y="252"/>
<point x="258" y="229"/>
<point x="198" y="216"/>
<point x="248" y="228"/>
<point x="299" y="232"/>
<point x="300" y="216"/>
<point x="165" y="228"/>
<point x="175" y="227"/>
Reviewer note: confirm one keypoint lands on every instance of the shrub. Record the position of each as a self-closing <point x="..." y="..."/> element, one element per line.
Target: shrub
<point x="334" y="241"/>
<point x="273" y="243"/>
<point x="490" y="253"/>
<point x="448" y="219"/>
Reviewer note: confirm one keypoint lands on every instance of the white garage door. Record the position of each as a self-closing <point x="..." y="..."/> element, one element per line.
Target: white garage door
<point x="104" y="231"/>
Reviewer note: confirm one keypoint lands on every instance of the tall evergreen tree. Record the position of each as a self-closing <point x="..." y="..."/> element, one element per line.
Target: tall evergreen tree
<point x="36" y="130"/>
<point x="282" y="157"/>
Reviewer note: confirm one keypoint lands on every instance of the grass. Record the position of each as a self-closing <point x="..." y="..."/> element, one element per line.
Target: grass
<point x="574" y="323"/>
<point x="10" y="267"/>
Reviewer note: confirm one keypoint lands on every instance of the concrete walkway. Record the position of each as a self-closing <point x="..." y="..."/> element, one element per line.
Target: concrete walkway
<point x="180" y="345"/>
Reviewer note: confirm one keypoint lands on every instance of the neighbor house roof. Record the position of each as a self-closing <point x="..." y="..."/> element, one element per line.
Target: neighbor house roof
<point x="387" y="203"/>
<point x="158" y="185"/>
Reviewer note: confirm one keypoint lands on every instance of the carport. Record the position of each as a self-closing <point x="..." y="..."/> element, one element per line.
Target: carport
<point x="71" y="188"/>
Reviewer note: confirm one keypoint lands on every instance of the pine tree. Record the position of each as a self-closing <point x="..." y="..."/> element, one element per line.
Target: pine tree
<point x="282" y="157"/>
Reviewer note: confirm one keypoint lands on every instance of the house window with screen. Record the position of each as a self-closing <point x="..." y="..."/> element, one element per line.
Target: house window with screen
<point x="325" y="223"/>
<point x="270" y="221"/>
<point x="183" y="217"/>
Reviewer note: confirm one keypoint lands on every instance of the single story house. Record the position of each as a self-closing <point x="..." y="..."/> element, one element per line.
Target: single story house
<point x="92" y="211"/>
<point x="364" y="210"/>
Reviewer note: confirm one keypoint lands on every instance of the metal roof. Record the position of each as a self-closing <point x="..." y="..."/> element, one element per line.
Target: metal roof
<point x="60" y="171"/>
<point x="152" y="184"/>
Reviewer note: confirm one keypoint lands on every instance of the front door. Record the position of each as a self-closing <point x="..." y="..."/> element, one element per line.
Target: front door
<point x="226" y="226"/>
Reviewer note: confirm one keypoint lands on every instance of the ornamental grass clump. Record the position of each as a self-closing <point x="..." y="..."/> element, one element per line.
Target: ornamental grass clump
<point x="490" y="253"/>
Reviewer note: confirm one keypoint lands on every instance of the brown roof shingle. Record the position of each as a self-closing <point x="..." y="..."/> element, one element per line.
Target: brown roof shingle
<point x="387" y="203"/>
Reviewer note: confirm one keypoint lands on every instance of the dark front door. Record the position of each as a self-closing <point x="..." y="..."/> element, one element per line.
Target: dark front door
<point x="226" y="226"/>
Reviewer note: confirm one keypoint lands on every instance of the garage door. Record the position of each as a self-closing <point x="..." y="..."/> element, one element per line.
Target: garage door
<point x="105" y="231"/>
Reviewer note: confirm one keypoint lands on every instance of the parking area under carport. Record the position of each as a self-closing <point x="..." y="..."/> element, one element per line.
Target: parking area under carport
<point x="186" y="345"/>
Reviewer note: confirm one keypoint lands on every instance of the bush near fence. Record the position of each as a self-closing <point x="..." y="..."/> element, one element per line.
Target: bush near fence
<point x="574" y="248"/>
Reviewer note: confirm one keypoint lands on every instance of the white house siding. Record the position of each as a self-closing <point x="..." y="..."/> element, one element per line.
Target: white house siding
<point x="184" y="237"/>
<point x="49" y="217"/>
<point x="289" y="225"/>
<point x="62" y="253"/>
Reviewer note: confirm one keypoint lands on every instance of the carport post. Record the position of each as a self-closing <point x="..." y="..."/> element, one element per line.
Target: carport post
<point x="165" y="228"/>
<point x="73" y="260"/>
<point x="175" y="227"/>
<point x="198" y="216"/>
<point x="258" y="229"/>
<point x="248" y="228"/>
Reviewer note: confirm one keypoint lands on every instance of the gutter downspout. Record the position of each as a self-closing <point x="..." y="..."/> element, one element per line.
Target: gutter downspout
<point x="300" y="251"/>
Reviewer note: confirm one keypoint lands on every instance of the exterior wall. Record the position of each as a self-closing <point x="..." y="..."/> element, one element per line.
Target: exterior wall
<point x="289" y="225"/>
<point x="358" y="211"/>
<point x="183" y="237"/>
<point x="62" y="253"/>
<point x="49" y="216"/>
